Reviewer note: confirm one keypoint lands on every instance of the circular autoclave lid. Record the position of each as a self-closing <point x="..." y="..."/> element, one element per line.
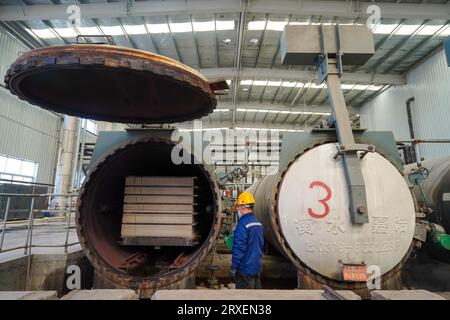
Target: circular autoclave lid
<point x="110" y="83"/>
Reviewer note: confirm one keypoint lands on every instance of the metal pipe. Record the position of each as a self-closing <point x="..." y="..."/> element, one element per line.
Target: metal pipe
<point x="65" y="170"/>
<point x="409" y="113"/>
<point x="54" y="245"/>
<point x="59" y="138"/>
<point x="5" y="219"/>
<point x="29" y="183"/>
<point x="12" y="249"/>
<point x="237" y="65"/>
<point x="39" y="246"/>
<point x="68" y="224"/>
<point x="27" y="281"/>
<point x="81" y="155"/>
<point x="36" y="195"/>
<point x="30" y="221"/>
<point x="419" y="141"/>
<point x="418" y="155"/>
<point x="76" y="157"/>
<point x="29" y="244"/>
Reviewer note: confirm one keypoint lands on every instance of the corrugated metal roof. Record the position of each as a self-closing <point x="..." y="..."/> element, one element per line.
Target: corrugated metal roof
<point x="205" y="40"/>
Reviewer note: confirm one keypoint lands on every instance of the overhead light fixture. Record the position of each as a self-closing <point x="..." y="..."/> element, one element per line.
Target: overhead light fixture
<point x="288" y="84"/>
<point x="222" y="25"/>
<point x="158" y="28"/>
<point x="445" y="32"/>
<point x="298" y="23"/>
<point x="429" y="30"/>
<point x="385" y="28"/>
<point x="222" y="110"/>
<point x="407" y="30"/>
<point x="374" y="87"/>
<point x="91" y="31"/>
<point x="246" y="82"/>
<point x="268" y="129"/>
<point x="112" y="30"/>
<point x="360" y="87"/>
<point x="347" y="86"/>
<point x="260" y="82"/>
<point x="283" y="111"/>
<point x="226" y="40"/>
<point x="254" y="41"/>
<point x="257" y="25"/>
<point x="66" y="32"/>
<point x="135" y="29"/>
<point x="246" y="110"/>
<point x="245" y="89"/>
<point x="276" y="25"/>
<point x="204" y="26"/>
<point x="317" y="86"/>
<point x="43" y="33"/>
<point x="292" y="84"/>
<point x="273" y="83"/>
<point x="202" y="129"/>
<point x="180" y="27"/>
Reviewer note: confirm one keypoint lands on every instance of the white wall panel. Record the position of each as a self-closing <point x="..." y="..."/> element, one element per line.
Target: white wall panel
<point x="387" y="112"/>
<point x="26" y="131"/>
<point x="429" y="83"/>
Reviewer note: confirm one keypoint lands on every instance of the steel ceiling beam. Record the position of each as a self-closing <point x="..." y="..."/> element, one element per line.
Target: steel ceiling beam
<point x="19" y="33"/>
<point x="300" y="75"/>
<point x="279" y="107"/>
<point x="242" y="124"/>
<point x="346" y="9"/>
<point x="123" y="9"/>
<point x="379" y="64"/>
<point x="420" y="45"/>
<point x="237" y="61"/>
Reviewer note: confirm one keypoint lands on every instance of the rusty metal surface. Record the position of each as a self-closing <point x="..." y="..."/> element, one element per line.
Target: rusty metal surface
<point x="110" y="83"/>
<point x="103" y="252"/>
<point x="133" y="261"/>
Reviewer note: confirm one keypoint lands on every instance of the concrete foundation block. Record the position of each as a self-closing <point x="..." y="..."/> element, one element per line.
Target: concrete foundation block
<point x="445" y="295"/>
<point x="101" y="294"/>
<point x="232" y="294"/>
<point x="28" y="295"/>
<point x="404" y="295"/>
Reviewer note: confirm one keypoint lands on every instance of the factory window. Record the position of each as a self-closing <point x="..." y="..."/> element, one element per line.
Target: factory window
<point x="17" y="169"/>
<point x="91" y="126"/>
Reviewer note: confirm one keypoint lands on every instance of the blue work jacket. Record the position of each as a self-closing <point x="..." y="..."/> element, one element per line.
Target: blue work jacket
<point x="248" y="243"/>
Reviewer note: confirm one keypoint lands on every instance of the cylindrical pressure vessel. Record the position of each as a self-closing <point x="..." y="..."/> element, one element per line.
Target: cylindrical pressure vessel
<point x="305" y="212"/>
<point x="434" y="193"/>
<point x="100" y="213"/>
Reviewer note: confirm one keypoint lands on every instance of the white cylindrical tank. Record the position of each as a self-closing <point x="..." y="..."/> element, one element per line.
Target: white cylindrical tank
<point x="305" y="211"/>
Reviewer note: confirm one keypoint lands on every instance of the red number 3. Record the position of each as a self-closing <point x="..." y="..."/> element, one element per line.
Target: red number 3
<point x="323" y="201"/>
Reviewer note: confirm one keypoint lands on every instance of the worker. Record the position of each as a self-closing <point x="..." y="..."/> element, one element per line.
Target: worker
<point x="248" y="242"/>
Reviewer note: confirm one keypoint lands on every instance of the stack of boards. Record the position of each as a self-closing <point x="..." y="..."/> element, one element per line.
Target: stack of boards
<point x="159" y="211"/>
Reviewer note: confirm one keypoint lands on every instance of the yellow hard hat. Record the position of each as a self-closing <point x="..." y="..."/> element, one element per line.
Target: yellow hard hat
<point x="245" y="198"/>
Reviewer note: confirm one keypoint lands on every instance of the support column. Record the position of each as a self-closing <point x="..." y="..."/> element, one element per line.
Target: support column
<point x="66" y="161"/>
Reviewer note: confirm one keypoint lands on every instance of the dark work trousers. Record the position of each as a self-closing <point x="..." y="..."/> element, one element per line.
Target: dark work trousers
<point x="247" y="282"/>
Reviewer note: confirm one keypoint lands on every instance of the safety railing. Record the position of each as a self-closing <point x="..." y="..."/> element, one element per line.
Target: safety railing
<point x="416" y="142"/>
<point x="65" y="211"/>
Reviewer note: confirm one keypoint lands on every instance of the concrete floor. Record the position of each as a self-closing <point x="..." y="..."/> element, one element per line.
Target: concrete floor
<point x="48" y="232"/>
